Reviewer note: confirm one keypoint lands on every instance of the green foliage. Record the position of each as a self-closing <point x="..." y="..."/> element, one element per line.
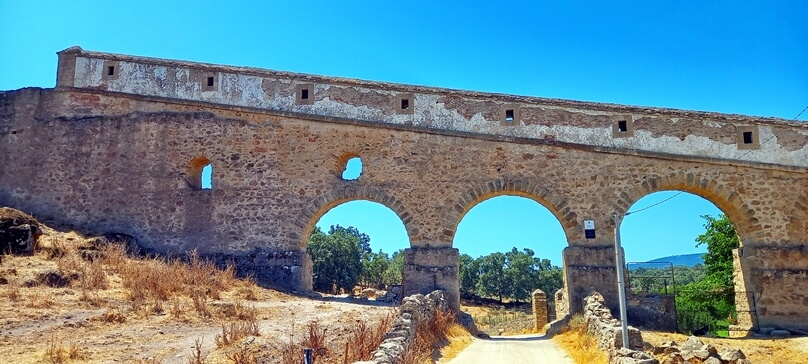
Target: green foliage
<point x="492" y="281"/>
<point x="374" y="265"/>
<point x="514" y="274"/>
<point x="720" y="239"/>
<point x="469" y="275"/>
<point x="711" y="300"/>
<point x="337" y="258"/>
<point x="394" y="273"/>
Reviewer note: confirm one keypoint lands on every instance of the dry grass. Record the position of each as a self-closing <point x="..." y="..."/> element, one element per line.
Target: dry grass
<point x="241" y="355"/>
<point x="580" y="346"/>
<point x="429" y="338"/>
<point x="458" y="338"/>
<point x="236" y="331"/>
<point x="364" y="339"/>
<point x="58" y="353"/>
<point x="198" y="355"/>
<point x="315" y="339"/>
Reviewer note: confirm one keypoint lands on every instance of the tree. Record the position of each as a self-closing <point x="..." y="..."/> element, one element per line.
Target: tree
<point x="364" y="239"/>
<point x="521" y="272"/>
<point x="374" y="265"/>
<point x="394" y="273"/>
<point x="337" y="258"/>
<point x="720" y="239"/>
<point x="492" y="282"/>
<point x="711" y="300"/>
<point x="469" y="275"/>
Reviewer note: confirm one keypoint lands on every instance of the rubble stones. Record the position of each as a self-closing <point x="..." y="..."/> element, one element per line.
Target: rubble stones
<point x="18" y="231"/>
<point x="602" y="325"/>
<point x="695" y="351"/>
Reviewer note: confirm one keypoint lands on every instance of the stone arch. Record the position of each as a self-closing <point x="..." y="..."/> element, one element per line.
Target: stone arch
<point x="322" y="204"/>
<point x="727" y="200"/>
<point x="554" y="202"/>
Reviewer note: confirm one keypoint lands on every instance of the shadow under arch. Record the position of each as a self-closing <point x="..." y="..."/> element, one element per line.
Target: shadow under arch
<point x="327" y="201"/>
<point x="555" y="203"/>
<point x="742" y="216"/>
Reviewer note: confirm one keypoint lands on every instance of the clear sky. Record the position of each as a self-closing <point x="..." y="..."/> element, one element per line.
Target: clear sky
<point x="748" y="57"/>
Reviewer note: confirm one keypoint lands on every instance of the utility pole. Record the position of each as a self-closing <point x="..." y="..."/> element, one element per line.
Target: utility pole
<point x="621" y="287"/>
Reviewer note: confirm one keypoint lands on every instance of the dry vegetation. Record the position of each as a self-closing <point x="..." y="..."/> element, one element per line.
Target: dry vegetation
<point x="581" y="347"/>
<point x="78" y="301"/>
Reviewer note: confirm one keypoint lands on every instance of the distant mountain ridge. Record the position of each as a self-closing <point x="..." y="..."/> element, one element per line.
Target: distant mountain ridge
<point x="689" y="260"/>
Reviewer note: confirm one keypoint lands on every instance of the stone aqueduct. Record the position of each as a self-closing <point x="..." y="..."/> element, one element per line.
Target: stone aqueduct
<point x="118" y="145"/>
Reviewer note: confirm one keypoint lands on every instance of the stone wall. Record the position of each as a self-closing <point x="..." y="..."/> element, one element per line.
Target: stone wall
<point x="121" y="153"/>
<point x="602" y="325"/>
<point x="415" y="310"/>
<point x="652" y="312"/>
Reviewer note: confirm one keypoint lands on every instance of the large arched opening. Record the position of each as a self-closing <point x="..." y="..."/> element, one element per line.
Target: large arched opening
<point x="510" y="245"/>
<point x="679" y="245"/>
<point x="356" y="247"/>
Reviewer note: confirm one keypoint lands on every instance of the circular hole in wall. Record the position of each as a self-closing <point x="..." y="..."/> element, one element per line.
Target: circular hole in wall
<point x="353" y="169"/>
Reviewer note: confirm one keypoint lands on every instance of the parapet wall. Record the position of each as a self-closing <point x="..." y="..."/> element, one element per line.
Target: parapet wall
<point x="502" y="117"/>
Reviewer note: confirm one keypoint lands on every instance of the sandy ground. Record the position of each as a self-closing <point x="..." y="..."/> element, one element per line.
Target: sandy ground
<point x="512" y="349"/>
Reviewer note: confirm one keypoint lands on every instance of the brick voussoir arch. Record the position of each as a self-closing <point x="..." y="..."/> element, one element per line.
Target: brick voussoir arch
<point x="321" y="205"/>
<point x="727" y="200"/>
<point x="554" y="202"/>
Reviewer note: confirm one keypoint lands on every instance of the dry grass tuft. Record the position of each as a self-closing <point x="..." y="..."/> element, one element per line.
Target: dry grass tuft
<point x="581" y="347"/>
<point x="241" y="355"/>
<point x="315" y="339"/>
<point x="57" y="353"/>
<point x="236" y="331"/>
<point x="198" y="356"/>
<point x="112" y="317"/>
<point x="364" y="339"/>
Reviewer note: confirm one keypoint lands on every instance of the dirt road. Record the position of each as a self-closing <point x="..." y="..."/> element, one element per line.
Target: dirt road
<point x="513" y="349"/>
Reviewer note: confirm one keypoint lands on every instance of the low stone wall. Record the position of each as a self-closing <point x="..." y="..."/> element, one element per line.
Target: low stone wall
<point x="602" y="325"/>
<point x="652" y="312"/>
<point x="414" y="311"/>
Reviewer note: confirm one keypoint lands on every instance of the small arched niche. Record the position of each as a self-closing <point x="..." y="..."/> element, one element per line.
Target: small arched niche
<point x="200" y="174"/>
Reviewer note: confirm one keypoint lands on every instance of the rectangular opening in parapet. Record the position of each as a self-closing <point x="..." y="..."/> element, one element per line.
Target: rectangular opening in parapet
<point x="304" y="94"/>
<point x="210" y="81"/>
<point x="622" y="126"/>
<point x="509" y="115"/>
<point x="110" y="70"/>
<point x="405" y="104"/>
<point x="747" y="137"/>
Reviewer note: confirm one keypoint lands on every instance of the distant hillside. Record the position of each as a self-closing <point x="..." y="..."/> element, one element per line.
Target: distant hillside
<point x="687" y="259"/>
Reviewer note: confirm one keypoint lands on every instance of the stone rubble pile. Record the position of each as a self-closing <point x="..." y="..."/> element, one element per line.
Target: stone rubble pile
<point x="602" y="325"/>
<point x="695" y="351"/>
<point x="390" y="295"/>
<point x="415" y="310"/>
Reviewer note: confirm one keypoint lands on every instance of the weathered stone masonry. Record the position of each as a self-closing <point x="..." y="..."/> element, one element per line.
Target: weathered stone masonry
<point x="117" y="146"/>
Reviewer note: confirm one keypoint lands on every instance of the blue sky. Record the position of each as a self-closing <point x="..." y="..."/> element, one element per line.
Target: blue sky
<point x="745" y="57"/>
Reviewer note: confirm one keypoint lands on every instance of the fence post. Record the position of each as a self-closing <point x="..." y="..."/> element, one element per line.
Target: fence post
<point x="307" y="356"/>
